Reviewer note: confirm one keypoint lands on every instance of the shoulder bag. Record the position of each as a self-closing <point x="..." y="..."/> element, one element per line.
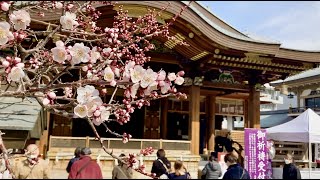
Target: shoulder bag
<point x="164" y="176"/>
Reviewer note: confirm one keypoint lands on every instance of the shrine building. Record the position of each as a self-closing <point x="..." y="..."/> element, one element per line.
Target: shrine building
<point x="225" y="70"/>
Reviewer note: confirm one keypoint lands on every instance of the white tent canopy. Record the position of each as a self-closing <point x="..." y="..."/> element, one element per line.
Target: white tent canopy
<point x="304" y="128"/>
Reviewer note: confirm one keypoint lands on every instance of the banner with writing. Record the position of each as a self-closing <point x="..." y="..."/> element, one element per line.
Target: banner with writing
<point x="256" y="162"/>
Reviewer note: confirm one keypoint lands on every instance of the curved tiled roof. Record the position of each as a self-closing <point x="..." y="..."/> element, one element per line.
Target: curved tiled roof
<point x="220" y="32"/>
<point x="304" y="74"/>
<point x="237" y="35"/>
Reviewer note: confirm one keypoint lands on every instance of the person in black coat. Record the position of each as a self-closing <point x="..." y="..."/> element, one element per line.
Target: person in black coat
<point x="234" y="171"/>
<point x="77" y="152"/>
<point x="290" y="170"/>
<point x="162" y="165"/>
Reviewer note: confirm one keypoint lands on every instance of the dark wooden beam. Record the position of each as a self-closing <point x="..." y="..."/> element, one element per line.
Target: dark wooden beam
<point x="218" y="85"/>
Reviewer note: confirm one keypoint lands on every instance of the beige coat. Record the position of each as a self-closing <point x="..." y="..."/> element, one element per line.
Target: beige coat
<point x="23" y="170"/>
<point x="122" y="172"/>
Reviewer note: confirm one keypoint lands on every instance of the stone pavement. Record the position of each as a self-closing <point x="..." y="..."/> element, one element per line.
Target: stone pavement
<point x="62" y="174"/>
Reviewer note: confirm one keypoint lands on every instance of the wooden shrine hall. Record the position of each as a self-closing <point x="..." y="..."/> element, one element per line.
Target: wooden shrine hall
<point x="225" y="69"/>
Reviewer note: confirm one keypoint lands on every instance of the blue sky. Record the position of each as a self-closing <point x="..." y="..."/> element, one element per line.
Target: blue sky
<point x="295" y="24"/>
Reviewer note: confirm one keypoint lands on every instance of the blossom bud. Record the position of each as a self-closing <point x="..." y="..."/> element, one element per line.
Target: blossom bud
<point x="17" y="60"/>
<point x="52" y="95"/>
<point x="21" y="36"/>
<point x="181" y="73"/>
<point x="5" y="63"/>
<point x="5" y="6"/>
<point x="113" y="83"/>
<point x="104" y="91"/>
<point x="15" y="34"/>
<point x="46" y="101"/>
<point x="174" y="90"/>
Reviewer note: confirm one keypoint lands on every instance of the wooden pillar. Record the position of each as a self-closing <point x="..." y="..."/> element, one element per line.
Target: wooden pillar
<point x="298" y="99"/>
<point x="194" y="118"/>
<point x="211" y="122"/>
<point x="164" y="118"/>
<point x="245" y="113"/>
<point x="254" y="108"/>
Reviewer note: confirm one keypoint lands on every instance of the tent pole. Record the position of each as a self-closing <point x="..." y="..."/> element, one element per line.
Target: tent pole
<point x="310" y="159"/>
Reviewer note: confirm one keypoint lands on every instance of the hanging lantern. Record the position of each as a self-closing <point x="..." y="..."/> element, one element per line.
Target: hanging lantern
<point x="290" y="96"/>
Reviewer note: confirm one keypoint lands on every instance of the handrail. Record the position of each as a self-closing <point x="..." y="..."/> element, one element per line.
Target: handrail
<point x="302" y="109"/>
<point x="87" y="141"/>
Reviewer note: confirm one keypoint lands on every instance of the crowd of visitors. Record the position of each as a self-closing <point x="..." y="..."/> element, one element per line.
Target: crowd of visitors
<point x="81" y="166"/>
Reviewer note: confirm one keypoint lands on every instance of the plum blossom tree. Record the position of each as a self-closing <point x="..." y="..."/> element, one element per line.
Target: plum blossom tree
<point x="98" y="57"/>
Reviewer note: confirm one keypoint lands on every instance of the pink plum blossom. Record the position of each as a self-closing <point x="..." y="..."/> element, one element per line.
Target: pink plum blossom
<point x="108" y="74"/>
<point x="5" y="34"/>
<point x="5" y="6"/>
<point x="172" y="76"/>
<point x="69" y="21"/>
<point x="79" y="53"/>
<point x="16" y="74"/>
<point x="21" y="19"/>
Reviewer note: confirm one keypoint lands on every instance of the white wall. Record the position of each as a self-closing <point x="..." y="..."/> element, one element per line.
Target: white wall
<point x="287" y="102"/>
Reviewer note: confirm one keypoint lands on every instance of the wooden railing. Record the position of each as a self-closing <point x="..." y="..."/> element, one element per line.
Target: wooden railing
<point x="302" y="109"/>
<point x="65" y="146"/>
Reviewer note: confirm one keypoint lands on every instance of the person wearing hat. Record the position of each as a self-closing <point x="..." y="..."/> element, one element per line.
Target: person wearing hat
<point x="85" y="167"/>
<point x="212" y="170"/>
<point x="122" y="171"/>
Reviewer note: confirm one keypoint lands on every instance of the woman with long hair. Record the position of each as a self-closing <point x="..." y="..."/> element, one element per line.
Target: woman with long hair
<point x="180" y="171"/>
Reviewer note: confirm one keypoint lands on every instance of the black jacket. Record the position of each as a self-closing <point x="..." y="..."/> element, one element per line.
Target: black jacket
<point x="235" y="172"/>
<point x="290" y="171"/>
<point x="158" y="168"/>
<point x="71" y="162"/>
